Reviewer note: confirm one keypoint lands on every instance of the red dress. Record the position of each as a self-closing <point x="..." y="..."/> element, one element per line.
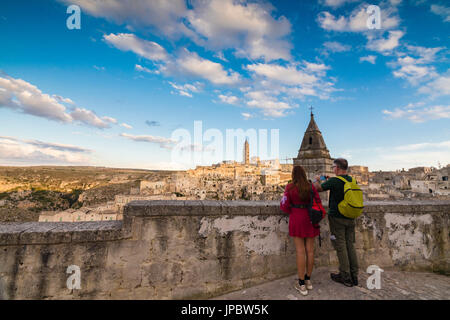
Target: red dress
<point x="299" y="222"/>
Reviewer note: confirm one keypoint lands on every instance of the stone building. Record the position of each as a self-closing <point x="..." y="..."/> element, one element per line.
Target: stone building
<point x="360" y="173"/>
<point x="246" y="152"/>
<point x="81" y="215"/>
<point x="313" y="154"/>
<point x="270" y="177"/>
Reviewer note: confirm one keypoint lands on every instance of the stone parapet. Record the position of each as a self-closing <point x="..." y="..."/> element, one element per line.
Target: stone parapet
<point x="167" y="249"/>
<point x="59" y="232"/>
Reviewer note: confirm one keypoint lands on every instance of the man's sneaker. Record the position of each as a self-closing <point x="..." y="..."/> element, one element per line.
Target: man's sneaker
<point x="355" y="280"/>
<point x="308" y="284"/>
<point x="301" y="288"/>
<point x="341" y="279"/>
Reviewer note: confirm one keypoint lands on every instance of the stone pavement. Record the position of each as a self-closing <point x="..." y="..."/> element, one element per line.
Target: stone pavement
<point x="395" y="285"/>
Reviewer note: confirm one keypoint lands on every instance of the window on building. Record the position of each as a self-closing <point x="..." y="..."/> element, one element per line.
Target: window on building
<point x="310" y="140"/>
<point x="445" y="178"/>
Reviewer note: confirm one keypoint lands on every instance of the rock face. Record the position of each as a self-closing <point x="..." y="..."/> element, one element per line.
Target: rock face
<point x="201" y="249"/>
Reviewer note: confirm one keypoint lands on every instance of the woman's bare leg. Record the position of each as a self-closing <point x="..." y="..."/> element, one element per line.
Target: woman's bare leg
<point x="309" y="255"/>
<point x="301" y="258"/>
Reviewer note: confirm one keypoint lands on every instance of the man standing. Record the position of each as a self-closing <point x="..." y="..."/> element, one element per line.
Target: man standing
<point x="342" y="229"/>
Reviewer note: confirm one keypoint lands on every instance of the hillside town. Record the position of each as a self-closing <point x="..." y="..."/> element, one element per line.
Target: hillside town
<point x="255" y="179"/>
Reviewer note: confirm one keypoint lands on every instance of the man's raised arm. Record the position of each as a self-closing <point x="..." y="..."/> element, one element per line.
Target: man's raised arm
<point x="317" y="184"/>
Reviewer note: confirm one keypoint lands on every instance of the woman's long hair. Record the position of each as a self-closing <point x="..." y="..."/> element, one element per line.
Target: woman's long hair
<point x="302" y="184"/>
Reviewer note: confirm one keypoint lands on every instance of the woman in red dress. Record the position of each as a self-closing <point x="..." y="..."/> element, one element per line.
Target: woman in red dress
<point x="295" y="201"/>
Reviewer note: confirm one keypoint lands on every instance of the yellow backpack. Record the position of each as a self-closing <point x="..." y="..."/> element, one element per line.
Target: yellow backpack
<point x="352" y="206"/>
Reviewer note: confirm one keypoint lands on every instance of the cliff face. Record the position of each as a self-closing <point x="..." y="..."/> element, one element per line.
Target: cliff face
<point x="26" y="191"/>
<point x="64" y="179"/>
<point x="23" y="206"/>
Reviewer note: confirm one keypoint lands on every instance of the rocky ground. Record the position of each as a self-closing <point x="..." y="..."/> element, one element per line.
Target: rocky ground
<point x="395" y="285"/>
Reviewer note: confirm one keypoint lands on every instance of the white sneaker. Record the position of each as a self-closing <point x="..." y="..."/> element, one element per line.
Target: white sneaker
<point x="301" y="288"/>
<point x="308" y="284"/>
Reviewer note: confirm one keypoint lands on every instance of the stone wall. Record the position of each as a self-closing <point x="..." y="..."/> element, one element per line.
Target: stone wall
<point x="199" y="249"/>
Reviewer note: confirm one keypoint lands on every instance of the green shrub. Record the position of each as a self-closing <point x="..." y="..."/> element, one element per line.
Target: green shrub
<point x="4" y="196"/>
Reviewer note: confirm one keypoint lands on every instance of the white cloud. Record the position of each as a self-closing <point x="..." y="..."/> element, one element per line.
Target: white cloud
<point x="228" y="99"/>
<point x="336" y="3"/>
<point x="127" y="126"/>
<point x="90" y="118"/>
<point x="423" y="146"/>
<point x="32" y="152"/>
<point x="384" y="45"/>
<point x="161" y="141"/>
<point x="357" y="20"/>
<point x="140" y="68"/>
<point x="403" y="156"/>
<point x="417" y="154"/>
<point x="412" y="72"/>
<point x="287" y="75"/>
<point x="371" y="59"/>
<point x="294" y="80"/>
<point x="335" y="46"/>
<point x="228" y="24"/>
<point x="413" y="65"/>
<point x="109" y="119"/>
<point x="167" y="143"/>
<point x="190" y="63"/>
<point x="425" y="55"/>
<point x="48" y="145"/>
<point x="270" y="106"/>
<point x="315" y="67"/>
<point x="186" y="64"/>
<point x="22" y="96"/>
<point x="185" y="90"/>
<point x="163" y="15"/>
<point x="417" y="2"/>
<point x="214" y="24"/>
<point x="418" y="115"/>
<point x="220" y="56"/>
<point x="129" y="42"/>
<point x="395" y="2"/>
<point x="328" y="21"/>
<point x="99" y="68"/>
<point x="437" y="87"/>
<point x="246" y="115"/>
<point x="63" y="100"/>
<point x="442" y="11"/>
<point x="184" y="93"/>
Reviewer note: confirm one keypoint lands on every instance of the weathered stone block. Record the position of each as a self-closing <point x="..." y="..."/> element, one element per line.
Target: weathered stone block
<point x="195" y="249"/>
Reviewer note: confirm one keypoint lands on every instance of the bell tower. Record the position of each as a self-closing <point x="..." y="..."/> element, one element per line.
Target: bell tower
<point x="313" y="154"/>
<point x="246" y="152"/>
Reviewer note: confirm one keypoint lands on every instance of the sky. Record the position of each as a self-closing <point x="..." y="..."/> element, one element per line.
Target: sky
<point x="156" y="84"/>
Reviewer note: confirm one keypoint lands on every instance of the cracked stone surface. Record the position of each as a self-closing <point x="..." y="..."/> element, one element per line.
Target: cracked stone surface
<point x="395" y="285"/>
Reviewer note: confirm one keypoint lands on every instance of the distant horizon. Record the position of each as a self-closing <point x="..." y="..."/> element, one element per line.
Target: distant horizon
<point x="145" y="169"/>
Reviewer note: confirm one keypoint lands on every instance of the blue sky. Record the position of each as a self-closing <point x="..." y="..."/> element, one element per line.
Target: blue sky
<point x="114" y="92"/>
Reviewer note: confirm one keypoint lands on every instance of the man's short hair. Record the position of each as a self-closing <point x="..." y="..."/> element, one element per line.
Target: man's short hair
<point x="341" y="163"/>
